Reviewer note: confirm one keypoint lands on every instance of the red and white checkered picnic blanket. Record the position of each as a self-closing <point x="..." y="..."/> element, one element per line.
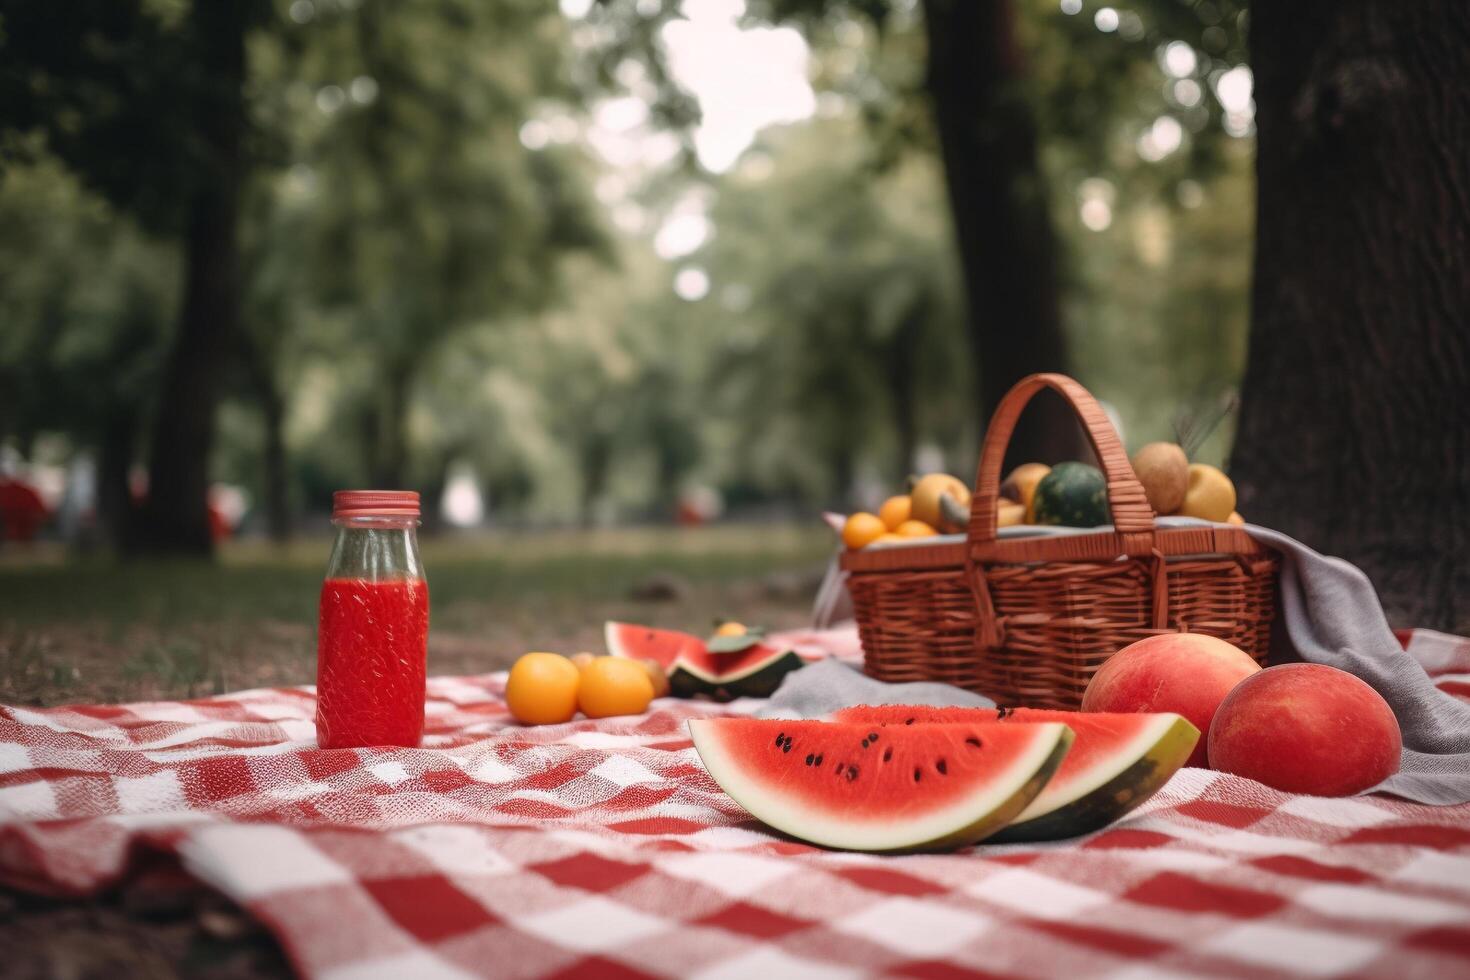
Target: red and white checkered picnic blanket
<point x="603" y="849"/>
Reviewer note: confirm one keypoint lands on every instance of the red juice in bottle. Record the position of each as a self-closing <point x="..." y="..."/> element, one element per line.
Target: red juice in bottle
<point x="373" y="625"/>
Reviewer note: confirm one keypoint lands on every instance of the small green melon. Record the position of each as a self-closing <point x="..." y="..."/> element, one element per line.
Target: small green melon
<point x="1073" y="495"/>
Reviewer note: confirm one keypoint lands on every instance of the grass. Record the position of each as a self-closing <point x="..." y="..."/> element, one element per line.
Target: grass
<point x="104" y="631"/>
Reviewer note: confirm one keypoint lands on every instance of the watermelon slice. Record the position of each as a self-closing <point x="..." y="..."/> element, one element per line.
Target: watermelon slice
<point x="1117" y="762"/>
<point x="869" y="787"/>
<point x="755" y="671"/>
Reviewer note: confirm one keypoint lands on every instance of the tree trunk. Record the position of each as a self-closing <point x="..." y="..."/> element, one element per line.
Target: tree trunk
<point x="277" y="480"/>
<point x="998" y="200"/>
<point x="1355" y="411"/>
<point x="176" y="516"/>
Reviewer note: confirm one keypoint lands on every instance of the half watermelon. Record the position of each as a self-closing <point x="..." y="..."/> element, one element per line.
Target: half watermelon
<point x="694" y="669"/>
<point x="1117" y="762"/>
<point x="868" y="787"/>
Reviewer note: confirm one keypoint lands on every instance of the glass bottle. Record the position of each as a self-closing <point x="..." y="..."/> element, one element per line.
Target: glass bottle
<point x="373" y="624"/>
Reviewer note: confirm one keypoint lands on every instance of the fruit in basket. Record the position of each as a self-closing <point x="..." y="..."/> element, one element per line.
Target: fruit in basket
<point x="1188" y="674"/>
<point x="1009" y="513"/>
<point x="1020" y="485"/>
<point x="880" y="788"/>
<point x="614" y="686"/>
<point x="1235" y="518"/>
<point x="862" y="529"/>
<point x="896" y="510"/>
<point x="1306" y="728"/>
<point x="926" y="504"/>
<point x="542" y="689"/>
<point x="753" y="670"/>
<point x="914" y="529"/>
<point x="1211" y="495"/>
<point x="1116" y="762"/>
<point x="891" y="538"/>
<point x="1072" y="494"/>
<point x="1163" y="469"/>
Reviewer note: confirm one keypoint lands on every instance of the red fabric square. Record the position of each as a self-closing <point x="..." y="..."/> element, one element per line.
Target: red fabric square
<point x="1418" y="835"/>
<point x="599" y="968"/>
<point x="1444" y="939"/>
<point x="940" y="970"/>
<point x="890" y="882"/>
<point x="752" y="920"/>
<point x="1122" y="943"/>
<point x="326" y="763"/>
<point x="445" y="780"/>
<point x="1185" y="894"/>
<point x="658" y="825"/>
<point x="428" y="907"/>
<point x="1129" y="839"/>
<point x="562" y="773"/>
<point x="1300" y="867"/>
<point x="1226" y="814"/>
<point x="590" y="872"/>
<point x="215" y="779"/>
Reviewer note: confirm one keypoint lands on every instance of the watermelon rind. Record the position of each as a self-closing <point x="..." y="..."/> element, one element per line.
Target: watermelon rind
<point x="664" y="646"/>
<point x="978" y="814"/>
<point x="1130" y="774"/>
<point x="752" y="678"/>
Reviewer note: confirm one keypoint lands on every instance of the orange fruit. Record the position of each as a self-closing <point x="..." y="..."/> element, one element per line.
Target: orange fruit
<point x="581" y="660"/>
<point x="926" y="495"/>
<point x="657" y="676"/>
<point x="915" y="529"/>
<point x="862" y="529"/>
<point x="896" y="510"/>
<point x="731" y="628"/>
<point x="614" y="686"/>
<point x="889" y="537"/>
<point x="542" y="689"/>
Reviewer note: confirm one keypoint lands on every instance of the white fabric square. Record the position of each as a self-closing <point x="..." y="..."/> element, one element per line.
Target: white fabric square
<point x="13" y="757"/>
<point x="1345" y="812"/>
<point x="389" y="772"/>
<point x="153" y="793"/>
<point x="1287" y="948"/>
<point x="1377" y="905"/>
<point x="593" y="925"/>
<point x="1436" y="868"/>
<point x="490" y="769"/>
<point x="248" y="861"/>
<point x="770" y="963"/>
<point x="27" y="801"/>
<point x="419" y="964"/>
<point x="1042" y="896"/>
<point x="622" y="770"/>
<point x="915" y="928"/>
<point x="736" y="875"/>
<point x="455" y="849"/>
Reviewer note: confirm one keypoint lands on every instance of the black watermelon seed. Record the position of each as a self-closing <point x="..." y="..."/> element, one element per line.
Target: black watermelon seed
<point x="918" y="775"/>
<point x="888" y="753"/>
<point x="852" y="773"/>
<point x="780" y="738"/>
<point x="819" y="761"/>
<point x="972" y="740"/>
<point x="909" y="722"/>
<point x="786" y="747"/>
<point x="809" y="758"/>
<point x="872" y="736"/>
<point x="865" y="743"/>
<point x="943" y="769"/>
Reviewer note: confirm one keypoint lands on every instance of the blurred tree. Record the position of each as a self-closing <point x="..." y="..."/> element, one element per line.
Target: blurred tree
<point x="426" y="213"/>
<point x="85" y="300"/>
<point x="1355" y="417"/>
<point x="145" y="102"/>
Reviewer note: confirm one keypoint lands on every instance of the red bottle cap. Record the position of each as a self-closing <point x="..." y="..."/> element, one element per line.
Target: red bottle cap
<point x="375" y="503"/>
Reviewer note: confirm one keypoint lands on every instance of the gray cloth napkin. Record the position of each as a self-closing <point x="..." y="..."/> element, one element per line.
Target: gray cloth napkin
<point x="1328" y="614"/>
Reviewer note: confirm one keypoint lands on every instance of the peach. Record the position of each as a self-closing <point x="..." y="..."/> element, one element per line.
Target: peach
<point x="1186" y="673"/>
<point x="1306" y="728"/>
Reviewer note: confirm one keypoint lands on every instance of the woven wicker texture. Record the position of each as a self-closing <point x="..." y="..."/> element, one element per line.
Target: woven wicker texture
<point x="1028" y="621"/>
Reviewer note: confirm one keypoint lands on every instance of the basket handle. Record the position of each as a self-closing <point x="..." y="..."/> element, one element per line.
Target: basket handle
<point x="1131" y="512"/>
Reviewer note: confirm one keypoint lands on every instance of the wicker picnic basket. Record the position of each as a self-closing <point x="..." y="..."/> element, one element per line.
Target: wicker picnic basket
<point x="1028" y="621"/>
